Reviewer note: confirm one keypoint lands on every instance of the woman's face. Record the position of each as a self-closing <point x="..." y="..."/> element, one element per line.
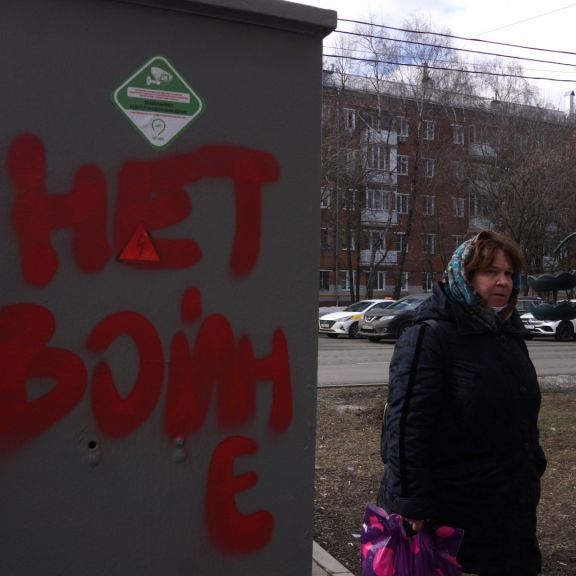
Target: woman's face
<point x="494" y="283"/>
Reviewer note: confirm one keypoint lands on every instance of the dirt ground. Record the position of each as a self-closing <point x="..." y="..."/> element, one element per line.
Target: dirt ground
<point x="348" y="468"/>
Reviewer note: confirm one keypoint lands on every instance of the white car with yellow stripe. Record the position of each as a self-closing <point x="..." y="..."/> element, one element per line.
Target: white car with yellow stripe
<point x="345" y="322"/>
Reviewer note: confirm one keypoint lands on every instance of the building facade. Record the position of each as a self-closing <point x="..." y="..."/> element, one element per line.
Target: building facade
<point x="409" y="174"/>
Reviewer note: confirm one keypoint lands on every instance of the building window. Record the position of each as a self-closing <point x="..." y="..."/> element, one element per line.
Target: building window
<point x="324" y="280"/>
<point x="376" y="240"/>
<point x="428" y="241"/>
<point x="428" y="165"/>
<point x="347" y="199"/>
<point x="402" y="166"/>
<point x="377" y="156"/>
<point x="428" y="129"/>
<point x="325" y="238"/>
<point x="401" y="244"/>
<point x="457" y="239"/>
<point x="325" y="196"/>
<point x="378" y="279"/>
<point x="427" y="281"/>
<point x="457" y="134"/>
<point x="457" y="170"/>
<point x="428" y="208"/>
<point x="345" y="279"/>
<point x="402" y="202"/>
<point x="402" y="128"/>
<point x="478" y="206"/>
<point x="370" y="118"/>
<point x="351" y="159"/>
<point x="458" y="207"/>
<point x="349" y="119"/>
<point x="377" y="198"/>
<point x="348" y="240"/>
<point x="404" y="287"/>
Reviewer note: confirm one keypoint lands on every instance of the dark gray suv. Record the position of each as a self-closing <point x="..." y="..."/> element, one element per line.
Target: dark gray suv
<point x="391" y="322"/>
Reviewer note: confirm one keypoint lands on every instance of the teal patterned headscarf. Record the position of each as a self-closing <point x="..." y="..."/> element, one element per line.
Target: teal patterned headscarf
<point x="458" y="289"/>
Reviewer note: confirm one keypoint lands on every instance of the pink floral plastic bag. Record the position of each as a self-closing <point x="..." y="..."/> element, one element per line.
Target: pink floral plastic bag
<point x="386" y="549"/>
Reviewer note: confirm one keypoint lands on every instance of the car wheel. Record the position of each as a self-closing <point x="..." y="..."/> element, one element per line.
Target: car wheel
<point x="564" y="331"/>
<point x="353" y="331"/>
<point x="373" y="339"/>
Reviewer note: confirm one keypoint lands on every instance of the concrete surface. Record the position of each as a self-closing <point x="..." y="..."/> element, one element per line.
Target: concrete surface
<point x="325" y="565"/>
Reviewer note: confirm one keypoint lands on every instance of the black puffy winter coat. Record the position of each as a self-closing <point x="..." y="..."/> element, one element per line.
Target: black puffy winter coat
<point x="460" y="437"/>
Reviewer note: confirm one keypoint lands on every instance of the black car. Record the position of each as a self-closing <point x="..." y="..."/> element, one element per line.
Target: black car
<point x="391" y="322"/>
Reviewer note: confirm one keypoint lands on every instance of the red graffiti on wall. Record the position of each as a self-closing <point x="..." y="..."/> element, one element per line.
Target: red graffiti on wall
<point x="152" y="193"/>
<point x="216" y="365"/>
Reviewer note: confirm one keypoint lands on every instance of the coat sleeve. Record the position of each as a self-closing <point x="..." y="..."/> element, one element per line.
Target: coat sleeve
<point x="414" y="401"/>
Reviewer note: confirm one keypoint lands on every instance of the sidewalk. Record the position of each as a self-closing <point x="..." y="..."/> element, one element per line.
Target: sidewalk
<point x="325" y="565"/>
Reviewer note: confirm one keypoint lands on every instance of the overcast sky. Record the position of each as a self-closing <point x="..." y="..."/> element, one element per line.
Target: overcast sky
<point x="532" y="23"/>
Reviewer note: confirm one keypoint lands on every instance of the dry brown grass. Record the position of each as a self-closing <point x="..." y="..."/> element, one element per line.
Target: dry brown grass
<point x="348" y="468"/>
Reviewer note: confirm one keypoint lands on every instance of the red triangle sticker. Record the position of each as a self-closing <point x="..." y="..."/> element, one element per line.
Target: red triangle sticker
<point x="140" y="248"/>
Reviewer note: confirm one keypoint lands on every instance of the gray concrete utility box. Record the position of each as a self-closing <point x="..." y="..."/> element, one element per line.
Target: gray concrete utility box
<point x="158" y="221"/>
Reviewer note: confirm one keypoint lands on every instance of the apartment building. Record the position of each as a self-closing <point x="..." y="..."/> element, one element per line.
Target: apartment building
<point x="409" y="174"/>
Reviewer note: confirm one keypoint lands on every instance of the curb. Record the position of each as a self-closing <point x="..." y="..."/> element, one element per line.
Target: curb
<point x="324" y="564"/>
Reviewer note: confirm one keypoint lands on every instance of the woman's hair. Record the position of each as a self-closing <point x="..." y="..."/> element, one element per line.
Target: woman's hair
<point x="483" y="251"/>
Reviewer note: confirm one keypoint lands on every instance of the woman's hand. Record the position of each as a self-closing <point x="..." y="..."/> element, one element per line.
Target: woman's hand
<point x="416" y="525"/>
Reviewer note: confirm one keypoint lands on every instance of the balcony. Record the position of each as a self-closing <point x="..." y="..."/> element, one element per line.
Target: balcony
<point x="481" y="151"/>
<point x="380" y="257"/>
<point x="379" y="217"/>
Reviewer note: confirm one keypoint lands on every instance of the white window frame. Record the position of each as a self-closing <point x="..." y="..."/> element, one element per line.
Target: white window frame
<point x="403" y="127"/>
<point x="458" y="132"/>
<point x="377" y="156"/>
<point x="376" y="240"/>
<point x="325" y="238"/>
<point x="458" y="169"/>
<point x="352" y="240"/>
<point x="402" y="203"/>
<point x="404" y="284"/>
<point x="401" y="242"/>
<point x="429" y="205"/>
<point x="349" y="119"/>
<point x="325" y="198"/>
<point x="344" y="280"/>
<point x="428" y="243"/>
<point x="458" y="207"/>
<point x="377" y="198"/>
<point x="428" y="129"/>
<point x="429" y="164"/>
<point x="402" y="165"/>
<point x="427" y="281"/>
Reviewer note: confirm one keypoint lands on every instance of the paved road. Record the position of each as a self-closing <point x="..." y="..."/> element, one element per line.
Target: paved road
<point x="344" y="362"/>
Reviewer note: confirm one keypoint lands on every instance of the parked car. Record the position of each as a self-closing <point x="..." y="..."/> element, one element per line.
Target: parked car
<point x="391" y="322"/>
<point x="345" y="322"/>
<point x="561" y="330"/>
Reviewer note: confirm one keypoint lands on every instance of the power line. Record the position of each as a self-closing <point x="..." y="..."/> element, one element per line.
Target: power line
<point x="454" y="48"/>
<point x="445" y="69"/>
<point x="528" y="19"/>
<point x="455" y="37"/>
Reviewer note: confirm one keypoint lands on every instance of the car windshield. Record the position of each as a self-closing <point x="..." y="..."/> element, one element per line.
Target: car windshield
<point x="358" y="306"/>
<point x="406" y="304"/>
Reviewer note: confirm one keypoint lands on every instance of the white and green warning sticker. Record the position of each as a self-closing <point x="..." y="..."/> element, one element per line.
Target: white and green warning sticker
<point x="158" y="101"/>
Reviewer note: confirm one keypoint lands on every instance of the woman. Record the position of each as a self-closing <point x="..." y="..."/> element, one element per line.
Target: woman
<point x="460" y="436"/>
